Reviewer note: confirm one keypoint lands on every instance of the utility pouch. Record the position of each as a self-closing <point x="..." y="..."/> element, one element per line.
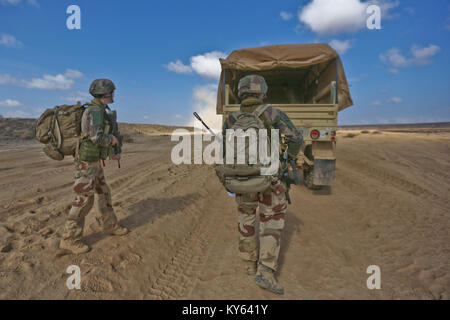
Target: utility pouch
<point x="88" y="151"/>
<point x="251" y="184"/>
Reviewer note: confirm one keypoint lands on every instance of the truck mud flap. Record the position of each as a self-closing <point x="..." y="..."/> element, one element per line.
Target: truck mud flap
<point x="323" y="174"/>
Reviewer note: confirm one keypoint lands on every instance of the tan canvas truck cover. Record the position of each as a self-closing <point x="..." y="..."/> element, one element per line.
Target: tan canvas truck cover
<point x="319" y="56"/>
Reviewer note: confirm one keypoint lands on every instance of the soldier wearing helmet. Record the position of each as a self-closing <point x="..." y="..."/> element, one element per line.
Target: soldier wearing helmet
<point x="99" y="138"/>
<point x="263" y="261"/>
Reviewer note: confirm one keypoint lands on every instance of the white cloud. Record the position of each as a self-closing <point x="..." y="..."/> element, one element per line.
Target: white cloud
<point x="376" y="103"/>
<point x="333" y="16"/>
<point x="7" y="79"/>
<point x="340" y="46"/>
<point x="17" y="114"/>
<point x="420" y="56"/>
<point x="57" y="82"/>
<point x="395" y="100"/>
<point x="10" y="103"/>
<point x="359" y="78"/>
<point x="49" y="82"/>
<point x="179" y="67"/>
<point x="337" y="16"/>
<point x="394" y="58"/>
<point x="386" y="7"/>
<point x="73" y="74"/>
<point x="10" y="2"/>
<point x="205" y="98"/>
<point x="286" y="16"/>
<point x="206" y="65"/>
<point x="18" y="2"/>
<point x="423" y="55"/>
<point x="8" y="40"/>
<point x="77" y="96"/>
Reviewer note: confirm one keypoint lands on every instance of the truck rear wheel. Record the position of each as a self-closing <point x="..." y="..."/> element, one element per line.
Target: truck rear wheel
<point x="308" y="171"/>
<point x="308" y="179"/>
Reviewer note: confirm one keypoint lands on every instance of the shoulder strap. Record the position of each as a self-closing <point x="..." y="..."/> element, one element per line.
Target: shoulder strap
<point x="57" y="140"/>
<point x="260" y="110"/>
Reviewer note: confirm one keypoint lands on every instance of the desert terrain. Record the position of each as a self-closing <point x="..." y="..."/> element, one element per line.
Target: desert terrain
<point x="389" y="206"/>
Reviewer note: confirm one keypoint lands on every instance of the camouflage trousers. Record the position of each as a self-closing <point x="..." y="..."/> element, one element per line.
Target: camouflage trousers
<point x="272" y="208"/>
<point x="89" y="179"/>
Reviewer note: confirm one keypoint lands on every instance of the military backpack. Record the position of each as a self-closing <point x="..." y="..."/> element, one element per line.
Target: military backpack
<point x="60" y="130"/>
<point x="245" y="177"/>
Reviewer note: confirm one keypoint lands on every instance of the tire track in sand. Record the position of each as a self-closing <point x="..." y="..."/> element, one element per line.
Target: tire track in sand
<point x="178" y="278"/>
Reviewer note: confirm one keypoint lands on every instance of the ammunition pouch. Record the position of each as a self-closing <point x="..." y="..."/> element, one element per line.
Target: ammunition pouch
<point x="88" y="151"/>
<point x="242" y="179"/>
<point x="112" y="116"/>
<point x="252" y="184"/>
<point x="293" y="149"/>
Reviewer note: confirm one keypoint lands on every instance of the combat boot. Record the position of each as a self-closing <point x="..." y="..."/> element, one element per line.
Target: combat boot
<point x="250" y="267"/>
<point x="118" y="231"/>
<point x="265" y="278"/>
<point x="74" y="246"/>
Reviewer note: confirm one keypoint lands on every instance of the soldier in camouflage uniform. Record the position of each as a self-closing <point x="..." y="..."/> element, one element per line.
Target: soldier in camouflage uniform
<point x="99" y="139"/>
<point x="272" y="202"/>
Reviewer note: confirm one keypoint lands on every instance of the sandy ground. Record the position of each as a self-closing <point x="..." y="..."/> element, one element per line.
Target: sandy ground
<point x="389" y="206"/>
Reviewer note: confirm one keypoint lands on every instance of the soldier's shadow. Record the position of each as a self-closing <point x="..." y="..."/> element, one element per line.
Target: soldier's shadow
<point x="145" y="211"/>
<point x="292" y="226"/>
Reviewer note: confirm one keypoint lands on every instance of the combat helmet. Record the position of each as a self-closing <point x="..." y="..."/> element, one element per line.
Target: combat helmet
<point x="252" y="84"/>
<point x="100" y="87"/>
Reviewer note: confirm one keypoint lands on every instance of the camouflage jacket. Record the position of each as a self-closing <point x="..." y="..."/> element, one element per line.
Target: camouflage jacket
<point x="94" y="124"/>
<point x="275" y="118"/>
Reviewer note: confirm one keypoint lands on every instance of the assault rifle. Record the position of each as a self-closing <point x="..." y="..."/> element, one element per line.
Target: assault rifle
<point x="115" y="131"/>
<point x="206" y="126"/>
<point x="286" y="178"/>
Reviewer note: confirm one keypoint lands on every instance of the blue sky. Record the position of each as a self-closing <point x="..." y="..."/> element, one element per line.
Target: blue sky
<point x="162" y="55"/>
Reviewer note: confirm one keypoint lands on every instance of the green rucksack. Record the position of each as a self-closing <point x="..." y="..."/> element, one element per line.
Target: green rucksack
<point x="246" y="177"/>
<point x="60" y="130"/>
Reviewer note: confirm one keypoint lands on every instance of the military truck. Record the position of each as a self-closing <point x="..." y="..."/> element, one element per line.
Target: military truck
<point x="308" y="83"/>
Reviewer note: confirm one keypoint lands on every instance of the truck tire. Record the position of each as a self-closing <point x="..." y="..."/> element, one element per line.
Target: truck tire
<point x="308" y="171"/>
<point x="308" y="179"/>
